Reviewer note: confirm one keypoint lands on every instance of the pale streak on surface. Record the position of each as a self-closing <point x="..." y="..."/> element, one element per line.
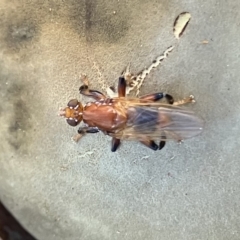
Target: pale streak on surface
<point x="135" y="81"/>
<point x="139" y="79"/>
<point x="180" y="24"/>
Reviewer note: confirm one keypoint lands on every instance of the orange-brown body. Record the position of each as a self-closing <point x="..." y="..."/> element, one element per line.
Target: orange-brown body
<point x="108" y="117"/>
<point x="144" y="119"/>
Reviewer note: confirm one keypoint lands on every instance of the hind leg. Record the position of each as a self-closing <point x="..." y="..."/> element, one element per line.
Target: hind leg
<point x="157" y="96"/>
<point x="189" y="99"/>
<point x="162" y="142"/>
<point x="150" y="144"/>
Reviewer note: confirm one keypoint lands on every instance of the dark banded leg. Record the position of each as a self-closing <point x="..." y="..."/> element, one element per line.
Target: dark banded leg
<point x="151" y="144"/>
<point x="162" y="143"/>
<point x="121" y="87"/>
<point x="84" y="90"/>
<point x="157" y="96"/>
<point x="83" y="130"/>
<point x="115" y="144"/>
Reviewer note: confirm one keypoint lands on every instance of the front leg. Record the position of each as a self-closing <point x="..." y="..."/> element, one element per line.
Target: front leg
<point x="84" y="90"/>
<point x="150" y="144"/>
<point x="84" y="130"/>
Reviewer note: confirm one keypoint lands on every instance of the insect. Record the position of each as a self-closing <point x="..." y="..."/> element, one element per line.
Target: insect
<point x="144" y="119"/>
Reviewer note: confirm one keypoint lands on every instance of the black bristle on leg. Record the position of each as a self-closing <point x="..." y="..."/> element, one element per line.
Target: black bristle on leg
<point x="169" y="99"/>
<point x="161" y="145"/>
<point x="115" y="144"/>
<point x="151" y="144"/>
<point x="157" y="96"/>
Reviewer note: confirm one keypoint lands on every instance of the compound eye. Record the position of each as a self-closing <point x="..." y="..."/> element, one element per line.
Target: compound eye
<point x="73" y="103"/>
<point x="72" y="122"/>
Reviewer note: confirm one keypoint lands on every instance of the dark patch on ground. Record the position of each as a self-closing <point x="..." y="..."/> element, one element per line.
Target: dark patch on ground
<point x="15" y="111"/>
<point x="10" y="228"/>
<point x="20" y="25"/>
<point x="20" y="123"/>
<point x="20" y="33"/>
<point x="18" y="29"/>
<point x="90" y="8"/>
<point x="99" y="20"/>
<point x="20" y="22"/>
<point x="95" y="20"/>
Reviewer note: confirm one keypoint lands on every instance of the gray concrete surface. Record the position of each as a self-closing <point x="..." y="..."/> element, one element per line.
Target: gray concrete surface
<point x="61" y="190"/>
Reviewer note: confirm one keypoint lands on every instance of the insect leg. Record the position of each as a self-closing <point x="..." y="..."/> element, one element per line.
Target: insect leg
<point x="151" y="144"/>
<point x="115" y="144"/>
<point x="88" y="130"/>
<point x="84" y="89"/>
<point x="83" y="130"/>
<point x="91" y="93"/>
<point x="157" y="96"/>
<point x="121" y="87"/>
<point x="189" y="99"/>
<point x="162" y="143"/>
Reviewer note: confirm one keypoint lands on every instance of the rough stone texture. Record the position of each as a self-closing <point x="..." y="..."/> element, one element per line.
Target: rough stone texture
<point x="61" y="190"/>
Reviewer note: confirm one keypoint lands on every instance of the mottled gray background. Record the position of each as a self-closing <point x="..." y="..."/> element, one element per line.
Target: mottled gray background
<point x="62" y="190"/>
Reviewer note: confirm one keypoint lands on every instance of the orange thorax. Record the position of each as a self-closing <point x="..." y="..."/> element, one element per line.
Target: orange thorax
<point x="107" y="117"/>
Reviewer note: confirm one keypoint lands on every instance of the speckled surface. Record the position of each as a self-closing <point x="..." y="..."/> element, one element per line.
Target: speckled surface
<point x="62" y="190"/>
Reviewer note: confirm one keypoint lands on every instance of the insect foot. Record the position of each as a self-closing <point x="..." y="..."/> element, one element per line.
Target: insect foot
<point x="189" y="99"/>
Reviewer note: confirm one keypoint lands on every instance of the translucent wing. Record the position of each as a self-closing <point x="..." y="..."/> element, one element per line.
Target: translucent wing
<point x="159" y="122"/>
